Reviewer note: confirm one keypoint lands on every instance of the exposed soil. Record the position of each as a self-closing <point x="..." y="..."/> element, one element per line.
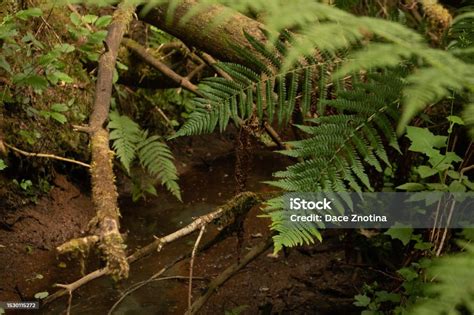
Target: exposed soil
<point x="29" y="236"/>
<point x="308" y="280"/>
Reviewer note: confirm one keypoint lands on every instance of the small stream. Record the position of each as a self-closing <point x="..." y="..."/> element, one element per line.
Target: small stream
<point x="203" y="188"/>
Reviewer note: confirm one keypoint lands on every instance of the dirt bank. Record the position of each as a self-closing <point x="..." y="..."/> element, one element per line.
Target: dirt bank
<point x="30" y="234"/>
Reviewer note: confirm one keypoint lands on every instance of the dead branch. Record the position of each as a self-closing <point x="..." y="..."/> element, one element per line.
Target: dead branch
<point x="227" y="274"/>
<point x="191" y="265"/>
<point x="104" y="192"/>
<point x="43" y="155"/>
<point x="275" y="136"/>
<point x="239" y="204"/>
<point x="160" y="66"/>
<point x="212" y="62"/>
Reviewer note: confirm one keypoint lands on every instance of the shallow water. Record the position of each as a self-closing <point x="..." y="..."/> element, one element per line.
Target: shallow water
<point x="203" y="188"/>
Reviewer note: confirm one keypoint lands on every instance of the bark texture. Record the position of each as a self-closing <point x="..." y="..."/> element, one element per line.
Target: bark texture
<point x="105" y="225"/>
<point x="200" y="32"/>
<point x="104" y="191"/>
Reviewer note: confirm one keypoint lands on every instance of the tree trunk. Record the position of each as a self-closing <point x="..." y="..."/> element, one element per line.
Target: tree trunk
<point x="200" y="32"/>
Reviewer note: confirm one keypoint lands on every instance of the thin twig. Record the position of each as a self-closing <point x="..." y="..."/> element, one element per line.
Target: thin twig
<point x="69" y="301"/>
<point x="191" y="265"/>
<point x="441" y="244"/>
<point x="74" y="10"/>
<point x="45" y="155"/>
<point x="160" y="66"/>
<point x="212" y="62"/>
<point x="466" y="169"/>
<point x="195" y="71"/>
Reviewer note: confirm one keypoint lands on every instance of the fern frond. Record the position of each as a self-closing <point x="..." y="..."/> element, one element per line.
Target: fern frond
<point x="157" y="159"/>
<point x="124" y="133"/>
<point x="338" y="150"/>
<point x="268" y="96"/>
<point x="131" y="142"/>
<point x="453" y="288"/>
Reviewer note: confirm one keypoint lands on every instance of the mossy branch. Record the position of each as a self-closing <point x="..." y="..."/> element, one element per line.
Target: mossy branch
<point x="105" y="225"/>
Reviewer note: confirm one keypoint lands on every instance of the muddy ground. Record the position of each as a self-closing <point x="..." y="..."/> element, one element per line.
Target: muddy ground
<point x="319" y="279"/>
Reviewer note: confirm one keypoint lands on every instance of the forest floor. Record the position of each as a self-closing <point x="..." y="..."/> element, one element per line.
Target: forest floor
<point x="312" y="279"/>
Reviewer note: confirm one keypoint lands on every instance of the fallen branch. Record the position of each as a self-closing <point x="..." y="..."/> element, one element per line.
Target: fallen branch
<point x="106" y="223"/>
<point x="239" y="204"/>
<point x="43" y="155"/>
<point x="191" y="265"/>
<point x="227" y="274"/>
<point x="141" y="52"/>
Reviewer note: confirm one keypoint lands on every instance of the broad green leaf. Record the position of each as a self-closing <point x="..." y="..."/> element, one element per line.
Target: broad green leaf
<point x="75" y="19"/>
<point x="89" y="18"/>
<point x="455" y="120"/>
<point x="2" y="165"/>
<point x="103" y="21"/>
<point x="361" y="300"/>
<point x="59" y="117"/>
<point x="41" y="295"/>
<point x="64" y="48"/>
<point x="59" y="107"/>
<point x="423" y="245"/>
<point x="444" y="162"/>
<point x="35" y="81"/>
<point x="456" y="186"/>
<point x="453" y="174"/>
<point x="426" y="171"/>
<point x="61" y="76"/>
<point x="437" y="186"/>
<point x="400" y="232"/>
<point x="408" y="274"/>
<point x="26" y="14"/>
<point x="411" y="187"/>
<point x="422" y="140"/>
<point x="5" y="65"/>
<point x="97" y="37"/>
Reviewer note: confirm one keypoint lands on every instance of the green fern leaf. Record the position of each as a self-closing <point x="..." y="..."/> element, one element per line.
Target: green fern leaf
<point x="157" y="159"/>
<point x="124" y="133"/>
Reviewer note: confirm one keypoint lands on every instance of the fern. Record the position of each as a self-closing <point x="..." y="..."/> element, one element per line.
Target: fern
<point x="339" y="147"/>
<point x="130" y="142"/>
<point x="157" y="159"/>
<point x="270" y="96"/>
<point x="453" y="288"/>
<point x="374" y="42"/>
<point x="125" y="133"/>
